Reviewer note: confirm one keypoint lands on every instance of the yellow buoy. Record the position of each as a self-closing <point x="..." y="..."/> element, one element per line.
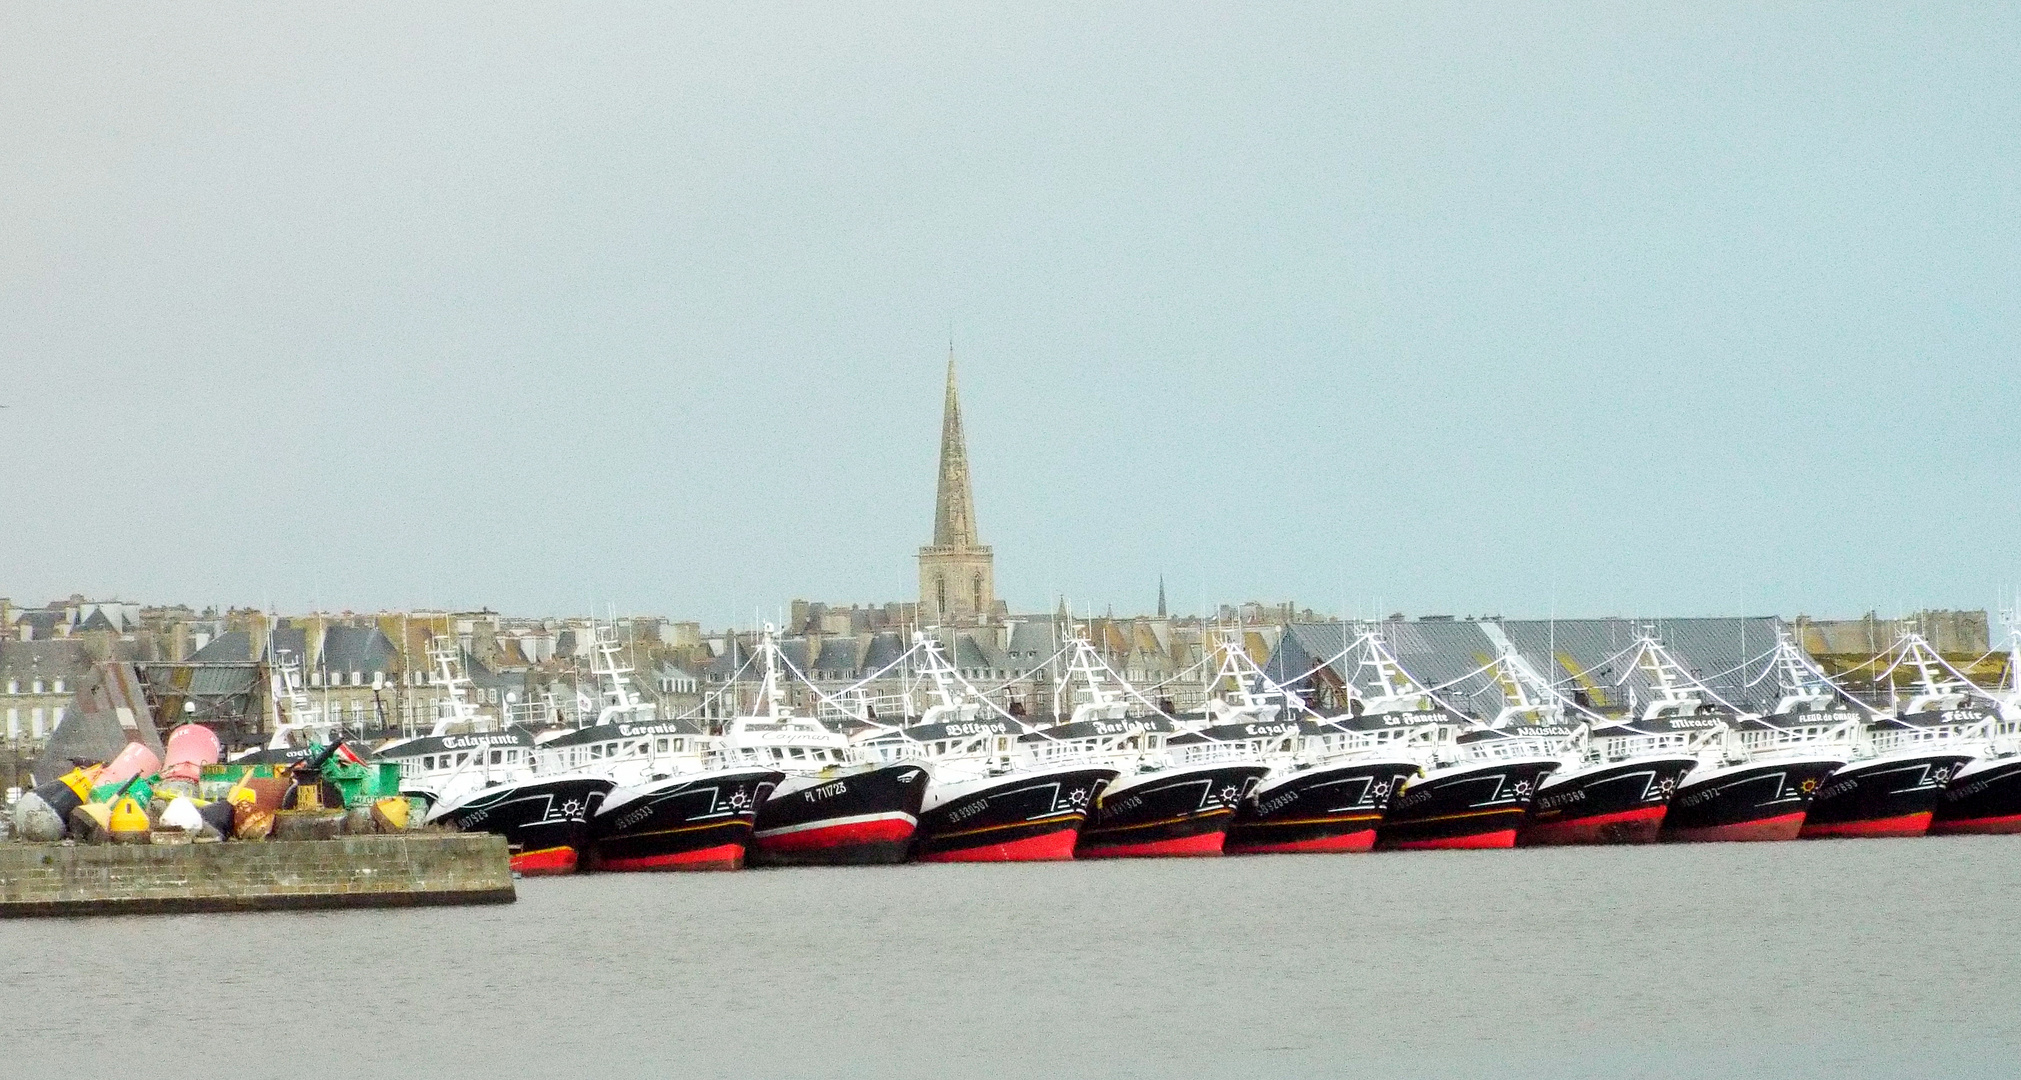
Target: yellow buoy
<point x="128" y="821"/>
<point x="90" y="822"/>
<point x="390" y="814"/>
<point x="80" y="781"/>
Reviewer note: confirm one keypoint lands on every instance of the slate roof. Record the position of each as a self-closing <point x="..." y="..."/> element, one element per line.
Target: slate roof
<point x="356" y="648"/>
<point x="230" y="647"/>
<point x="57" y="658"/>
<point x="838" y="655"/>
<point x="1591" y="654"/>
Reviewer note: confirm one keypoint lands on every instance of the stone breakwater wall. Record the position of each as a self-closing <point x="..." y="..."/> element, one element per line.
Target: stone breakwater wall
<point x="351" y="871"/>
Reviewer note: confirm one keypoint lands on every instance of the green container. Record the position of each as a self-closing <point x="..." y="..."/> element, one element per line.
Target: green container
<point x="361" y="785"/>
<point x="364" y="784"/>
<point x="142" y="791"/>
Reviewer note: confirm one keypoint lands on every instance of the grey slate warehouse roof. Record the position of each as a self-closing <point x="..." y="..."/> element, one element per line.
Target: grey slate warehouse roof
<point x="1729" y="654"/>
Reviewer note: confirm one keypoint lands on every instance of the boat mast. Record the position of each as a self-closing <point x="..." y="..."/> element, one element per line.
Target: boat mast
<point x="443" y="650"/>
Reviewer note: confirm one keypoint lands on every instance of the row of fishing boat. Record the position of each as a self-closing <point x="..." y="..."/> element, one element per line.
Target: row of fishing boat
<point x="941" y="773"/>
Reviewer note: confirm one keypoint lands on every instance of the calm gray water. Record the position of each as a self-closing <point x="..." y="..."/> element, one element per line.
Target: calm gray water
<point x="1811" y="959"/>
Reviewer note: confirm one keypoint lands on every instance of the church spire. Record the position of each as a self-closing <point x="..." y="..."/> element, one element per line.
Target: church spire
<point x="957" y="574"/>
<point x="954" y="507"/>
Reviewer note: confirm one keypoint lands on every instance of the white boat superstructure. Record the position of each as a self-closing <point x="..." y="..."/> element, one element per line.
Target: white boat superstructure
<point x="299" y="724"/>
<point x="461" y="753"/>
<point x="1109" y="723"/>
<point x="774" y="735"/>
<point x="628" y="742"/>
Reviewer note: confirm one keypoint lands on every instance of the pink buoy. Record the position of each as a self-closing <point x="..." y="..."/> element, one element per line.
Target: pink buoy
<point x="135" y="760"/>
<point x="190" y="748"/>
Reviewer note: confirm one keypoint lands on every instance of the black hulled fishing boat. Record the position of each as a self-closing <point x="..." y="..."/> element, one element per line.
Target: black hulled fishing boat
<point x="1165" y="800"/>
<point x="858" y="814"/>
<point x="545" y="820"/>
<point x="1618" y="791"/>
<point x="1759" y="783"/>
<point x="1328" y="802"/>
<point x="1905" y="760"/>
<point x="1328" y="779"/>
<point x="692" y="821"/>
<point x="832" y="805"/>
<point x="1181" y="810"/>
<point x="1481" y="799"/>
<point x="986" y="800"/>
<point x="1473" y="784"/>
<point x="479" y="780"/>
<point x="1984" y="795"/>
<point x="484" y="782"/>
<point x="675" y="803"/>
<point x="1621" y="775"/>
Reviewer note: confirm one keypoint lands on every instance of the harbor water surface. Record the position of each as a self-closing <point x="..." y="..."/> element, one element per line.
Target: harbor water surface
<point x="1833" y="958"/>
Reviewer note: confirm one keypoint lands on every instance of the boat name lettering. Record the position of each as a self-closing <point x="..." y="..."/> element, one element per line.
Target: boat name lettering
<point x="972" y="729"/>
<point x="1278" y="803"/>
<point x="1562" y="798"/>
<point x="465" y="742"/>
<point x="962" y="813"/>
<point x="827" y="791"/>
<point x="629" y="730"/>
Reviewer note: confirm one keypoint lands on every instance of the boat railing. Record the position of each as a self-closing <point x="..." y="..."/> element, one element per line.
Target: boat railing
<point x="1886" y="742"/>
<point x="1214" y="753"/>
<point x="859" y="708"/>
<point x="1774" y="739"/>
<point x="1525" y="746"/>
<point x="1620" y="747"/>
<point x="1101" y="748"/>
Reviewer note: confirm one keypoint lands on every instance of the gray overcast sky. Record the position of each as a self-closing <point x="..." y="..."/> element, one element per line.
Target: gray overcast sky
<point x="1470" y="309"/>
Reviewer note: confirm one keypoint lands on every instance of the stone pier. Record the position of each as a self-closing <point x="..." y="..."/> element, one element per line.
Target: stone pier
<point x="352" y="871"/>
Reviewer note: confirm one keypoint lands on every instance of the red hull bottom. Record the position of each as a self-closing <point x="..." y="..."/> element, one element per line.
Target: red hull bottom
<point x="720" y="857"/>
<point x="1638" y="826"/>
<point x="1985" y="826"/>
<point x="1785" y="827"/>
<point x="1195" y="846"/>
<point x="1048" y="847"/>
<point x="1354" y="842"/>
<point x="853" y="834"/>
<point x="1905" y="825"/>
<point x="545" y="862"/>
<point x="1500" y="838"/>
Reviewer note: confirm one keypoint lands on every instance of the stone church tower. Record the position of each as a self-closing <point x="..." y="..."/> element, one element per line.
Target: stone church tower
<point x="957" y="577"/>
